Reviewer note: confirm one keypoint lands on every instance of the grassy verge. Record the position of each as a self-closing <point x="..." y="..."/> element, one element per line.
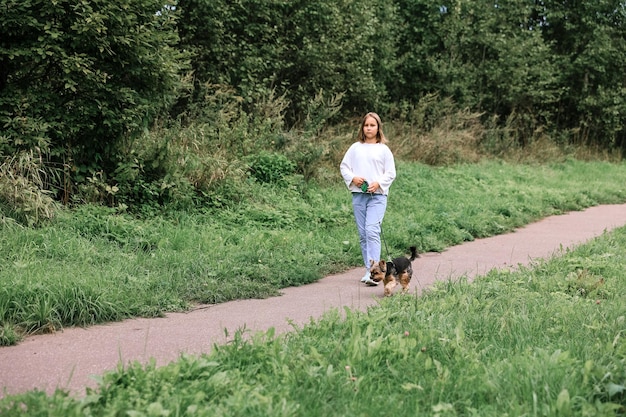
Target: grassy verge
<point x="94" y="265"/>
<point x="546" y="340"/>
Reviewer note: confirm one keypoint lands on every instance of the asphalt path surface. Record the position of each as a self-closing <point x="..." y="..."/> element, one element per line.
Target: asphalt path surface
<point x="69" y="359"/>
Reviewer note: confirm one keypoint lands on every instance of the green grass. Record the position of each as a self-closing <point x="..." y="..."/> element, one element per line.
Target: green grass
<point x="546" y="340"/>
<point x="94" y="264"/>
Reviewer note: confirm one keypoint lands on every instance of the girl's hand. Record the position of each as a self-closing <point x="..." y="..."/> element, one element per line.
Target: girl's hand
<point x="373" y="187"/>
<point x="358" y="181"/>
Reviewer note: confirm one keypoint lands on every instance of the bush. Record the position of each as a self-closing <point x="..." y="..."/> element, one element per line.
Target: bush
<point x="436" y="132"/>
<point x="270" y="167"/>
<point x="77" y="77"/>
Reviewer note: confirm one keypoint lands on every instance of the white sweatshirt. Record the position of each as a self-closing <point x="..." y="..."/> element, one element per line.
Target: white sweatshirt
<point x="372" y="161"/>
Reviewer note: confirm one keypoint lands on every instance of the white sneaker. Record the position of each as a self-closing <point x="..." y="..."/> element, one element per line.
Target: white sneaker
<point x="370" y="282"/>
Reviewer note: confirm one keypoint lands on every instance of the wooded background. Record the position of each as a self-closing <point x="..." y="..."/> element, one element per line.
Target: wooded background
<point x="80" y="80"/>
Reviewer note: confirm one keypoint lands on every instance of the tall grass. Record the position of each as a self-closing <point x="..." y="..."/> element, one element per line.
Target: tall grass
<point x="23" y="194"/>
<point x="545" y="340"/>
<point x="94" y="264"/>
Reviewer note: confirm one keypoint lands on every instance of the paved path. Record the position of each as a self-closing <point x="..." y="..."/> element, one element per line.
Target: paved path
<point x="68" y="359"/>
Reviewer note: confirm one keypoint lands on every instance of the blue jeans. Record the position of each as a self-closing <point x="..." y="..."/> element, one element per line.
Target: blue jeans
<point x="369" y="210"/>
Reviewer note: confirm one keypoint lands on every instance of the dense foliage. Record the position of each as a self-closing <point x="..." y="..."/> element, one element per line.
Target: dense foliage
<point x="539" y="65"/>
<point x="588" y="40"/>
<point x="108" y="101"/>
<point x="298" y="48"/>
<point x="79" y="77"/>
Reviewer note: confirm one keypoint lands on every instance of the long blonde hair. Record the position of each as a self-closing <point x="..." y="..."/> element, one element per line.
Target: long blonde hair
<point x="380" y="136"/>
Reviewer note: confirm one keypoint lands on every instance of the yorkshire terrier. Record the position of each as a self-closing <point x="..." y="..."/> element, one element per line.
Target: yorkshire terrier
<point x="399" y="270"/>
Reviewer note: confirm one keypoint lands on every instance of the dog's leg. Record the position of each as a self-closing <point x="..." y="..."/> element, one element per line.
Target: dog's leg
<point x="405" y="281"/>
<point x="390" y="284"/>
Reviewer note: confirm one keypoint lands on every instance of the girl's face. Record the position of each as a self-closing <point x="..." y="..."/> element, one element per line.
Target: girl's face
<point x="370" y="129"/>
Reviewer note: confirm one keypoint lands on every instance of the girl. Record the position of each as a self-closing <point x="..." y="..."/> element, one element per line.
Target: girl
<point x="368" y="169"/>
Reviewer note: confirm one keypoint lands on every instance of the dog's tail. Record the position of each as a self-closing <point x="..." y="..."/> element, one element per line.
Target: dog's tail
<point x="414" y="253"/>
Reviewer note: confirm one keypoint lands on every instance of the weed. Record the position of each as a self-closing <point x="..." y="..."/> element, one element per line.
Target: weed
<point x="41" y="316"/>
<point x="9" y="335"/>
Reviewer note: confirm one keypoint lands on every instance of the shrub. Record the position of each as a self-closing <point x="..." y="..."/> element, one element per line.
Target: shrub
<point x="270" y="167"/>
<point x="77" y="77"/>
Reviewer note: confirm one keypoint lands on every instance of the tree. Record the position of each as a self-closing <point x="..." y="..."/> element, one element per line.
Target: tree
<point x="589" y="41"/>
<point x="296" y="48"/>
<point x="345" y="47"/>
<point x="485" y="55"/>
<point x="79" y="76"/>
<point x="418" y="41"/>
